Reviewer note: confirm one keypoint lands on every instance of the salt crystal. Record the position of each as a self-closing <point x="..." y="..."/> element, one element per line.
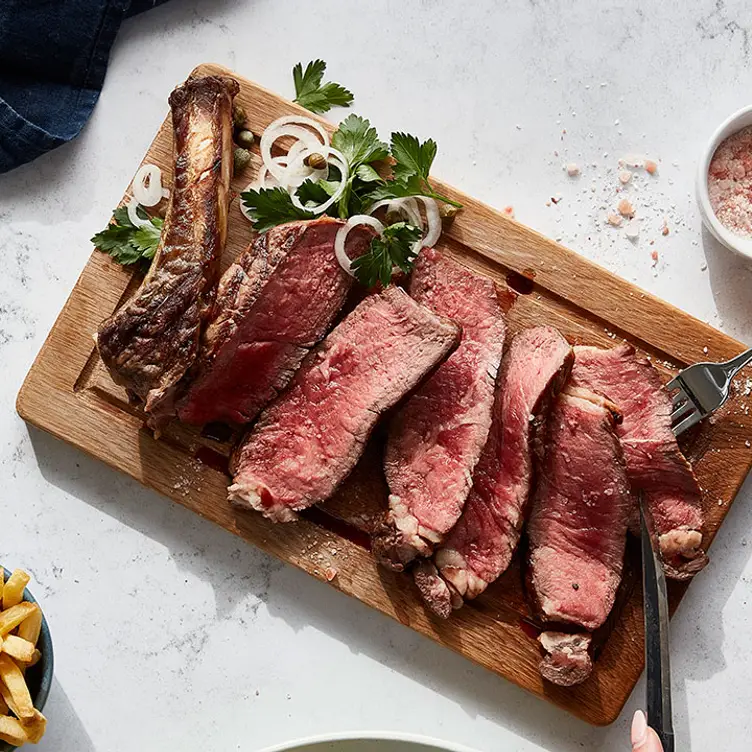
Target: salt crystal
<point x="632" y="231"/>
<point x="625" y="176"/>
<point x="625" y="208"/>
<point x="650" y="166"/>
<point x="614" y="220"/>
<point x="705" y="350"/>
<point x="572" y="169"/>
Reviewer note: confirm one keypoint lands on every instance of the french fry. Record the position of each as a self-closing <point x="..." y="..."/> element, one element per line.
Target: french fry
<point x="35" y="727"/>
<point x="4" y="709"/>
<point x="35" y="658"/>
<point x="16" y="684"/>
<point x="7" y="699"/>
<point x="30" y="627"/>
<point x="12" y="731"/>
<point x="18" y="648"/>
<point x="14" y="588"/>
<point x="13" y="616"/>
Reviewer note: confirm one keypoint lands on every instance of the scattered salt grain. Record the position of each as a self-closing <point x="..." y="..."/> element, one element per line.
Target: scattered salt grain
<point x="625" y="176"/>
<point x="572" y="169"/>
<point x="632" y="231"/>
<point x="747" y="444"/>
<point x="651" y="167"/>
<point x="705" y="350"/>
<point x="509" y="211"/>
<point x="330" y="574"/>
<point x="654" y="256"/>
<point x="625" y="208"/>
<point x="614" y="220"/>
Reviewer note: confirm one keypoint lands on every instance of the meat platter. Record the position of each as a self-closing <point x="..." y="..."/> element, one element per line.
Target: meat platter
<point x="70" y="393"/>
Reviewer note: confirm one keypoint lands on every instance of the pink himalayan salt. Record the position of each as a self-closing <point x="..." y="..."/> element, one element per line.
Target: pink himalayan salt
<point x="730" y="182"/>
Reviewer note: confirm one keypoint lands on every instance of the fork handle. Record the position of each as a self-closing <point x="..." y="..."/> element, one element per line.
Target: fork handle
<point x="733" y="366"/>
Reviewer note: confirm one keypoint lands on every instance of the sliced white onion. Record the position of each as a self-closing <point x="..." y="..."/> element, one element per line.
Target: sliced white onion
<point x="147" y="185"/>
<point x="296" y="127"/>
<point x="132" y="207"/>
<point x="338" y="160"/>
<point x="408" y="207"/>
<point x="433" y="220"/>
<point x="344" y="231"/>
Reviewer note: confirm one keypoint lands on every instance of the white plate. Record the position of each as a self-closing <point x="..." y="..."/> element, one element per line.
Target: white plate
<point x="369" y="742"/>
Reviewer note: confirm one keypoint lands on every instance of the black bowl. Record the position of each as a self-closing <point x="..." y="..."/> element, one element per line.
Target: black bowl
<point x="39" y="677"/>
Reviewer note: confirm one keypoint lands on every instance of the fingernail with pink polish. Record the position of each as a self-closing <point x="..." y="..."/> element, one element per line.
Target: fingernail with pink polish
<point x="639" y="729"/>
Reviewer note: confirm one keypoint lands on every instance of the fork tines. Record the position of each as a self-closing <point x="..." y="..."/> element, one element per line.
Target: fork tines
<point x="685" y="413"/>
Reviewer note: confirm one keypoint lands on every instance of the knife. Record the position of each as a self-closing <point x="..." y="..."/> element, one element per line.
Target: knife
<point x="657" y="663"/>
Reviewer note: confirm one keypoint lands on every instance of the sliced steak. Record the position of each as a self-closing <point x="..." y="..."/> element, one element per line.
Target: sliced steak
<point x="275" y="303"/>
<point x="481" y="545"/>
<point x="567" y="659"/>
<point x="578" y="522"/>
<point x="436" y="438"/>
<point x="308" y="440"/>
<point x="655" y="463"/>
<point x="149" y="343"/>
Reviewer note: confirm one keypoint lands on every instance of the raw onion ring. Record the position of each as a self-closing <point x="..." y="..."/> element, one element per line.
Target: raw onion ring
<point x="344" y="231"/>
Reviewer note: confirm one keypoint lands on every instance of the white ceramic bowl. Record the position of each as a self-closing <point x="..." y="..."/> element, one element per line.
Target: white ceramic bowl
<point x="737" y="243"/>
<point x="368" y="742"/>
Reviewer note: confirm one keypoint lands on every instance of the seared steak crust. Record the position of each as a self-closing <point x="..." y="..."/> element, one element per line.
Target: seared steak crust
<point x="481" y="545"/>
<point x="275" y="303"/>
<point x="655" y="463"/>
<point x="437" y="437"/>
<point x="149" y="343"/>
<point x="310" y="438"/>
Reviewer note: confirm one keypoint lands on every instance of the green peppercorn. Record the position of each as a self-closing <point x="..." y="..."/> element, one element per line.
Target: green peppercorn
<point x="241" y="159"/>
<point x="244" y="138"/>
<point x="238" y="116"/>
<point x="447" y="212"/>
<point x="315" y="161"/>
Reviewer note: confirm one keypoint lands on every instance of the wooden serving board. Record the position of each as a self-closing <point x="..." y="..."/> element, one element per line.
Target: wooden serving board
<point x="68" y="393"/>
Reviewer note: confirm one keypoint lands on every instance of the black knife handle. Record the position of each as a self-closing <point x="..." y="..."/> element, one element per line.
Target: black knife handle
<point x="667" y="740"/>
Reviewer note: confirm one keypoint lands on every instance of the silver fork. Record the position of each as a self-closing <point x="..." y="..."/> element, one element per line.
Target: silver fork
<point x="702" y="388"/>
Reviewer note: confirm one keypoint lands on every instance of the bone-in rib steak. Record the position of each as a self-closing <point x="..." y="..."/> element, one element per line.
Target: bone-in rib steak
<point x="481" y="545"/>
<point x="655" y="463"/>
<point x="437" y="437"/>
<point x="275" y="303"/>
<point x="149" y="343"/>
<point x="309" y="439"/>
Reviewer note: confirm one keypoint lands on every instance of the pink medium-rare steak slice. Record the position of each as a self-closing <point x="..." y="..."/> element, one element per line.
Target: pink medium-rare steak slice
<point x="655" y="463"/>
<point x="275" y="303"/>
<point x="481" y="545"/>
<point x="436" y="438"/>
<point x="578" y="523"/>
<point x="151" y="341"/>
<point x="580" y="511"/>
<point x="310" y="438"/>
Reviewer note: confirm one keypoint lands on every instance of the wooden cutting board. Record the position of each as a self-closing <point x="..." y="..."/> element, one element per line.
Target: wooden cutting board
<point x="68" y="393"/>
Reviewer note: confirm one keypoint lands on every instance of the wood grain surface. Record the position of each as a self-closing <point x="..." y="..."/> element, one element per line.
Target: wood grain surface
<point x="69" y="394"/>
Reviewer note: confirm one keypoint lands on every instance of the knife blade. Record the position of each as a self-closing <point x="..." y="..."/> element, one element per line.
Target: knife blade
<point x="657" y="661"/>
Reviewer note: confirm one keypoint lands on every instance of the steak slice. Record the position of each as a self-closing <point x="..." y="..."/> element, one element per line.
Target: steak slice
<point x="436" y="439"/>
<point x="655" y="463"/>
<point x="275" y="303"/>
<point x="567" y="661"/>
<point x="578" y="527"/>
<point x="149" y="343"/>
<point x="481" y="545"/>
<point x="308" y="440"/>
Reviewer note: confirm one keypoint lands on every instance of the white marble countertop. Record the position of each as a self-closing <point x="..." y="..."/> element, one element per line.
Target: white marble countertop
<point x="172" y="634"/>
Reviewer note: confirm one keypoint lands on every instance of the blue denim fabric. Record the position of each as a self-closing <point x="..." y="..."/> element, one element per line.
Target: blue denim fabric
<point x="53" y="58"/>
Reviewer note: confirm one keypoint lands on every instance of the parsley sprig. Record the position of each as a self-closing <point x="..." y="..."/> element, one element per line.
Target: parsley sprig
<point x="393" y="248"/>
<point x="314" y="95"/>
<point x="359" y="143"/>
<point x="125" y="242"/>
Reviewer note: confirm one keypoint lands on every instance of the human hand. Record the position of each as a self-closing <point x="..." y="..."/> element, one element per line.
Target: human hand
<point x="644" y="739"/>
